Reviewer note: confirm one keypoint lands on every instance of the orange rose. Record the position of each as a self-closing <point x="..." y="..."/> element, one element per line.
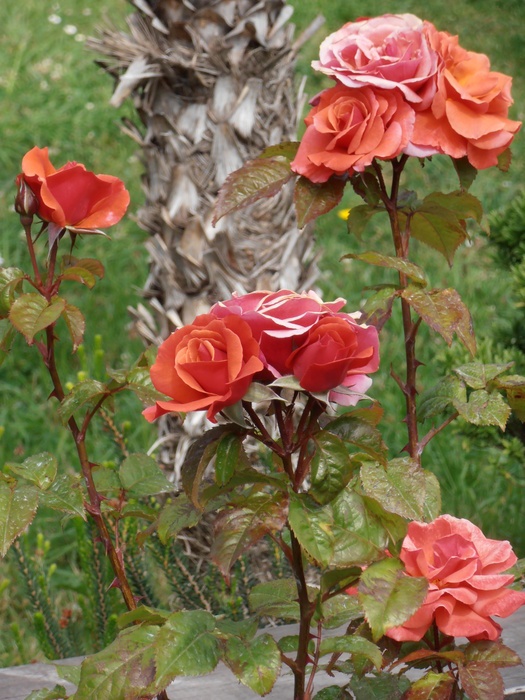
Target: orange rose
<point x="469" y="113"/>
<point x="349" y="127"/>
<point x="207" y="365"/>
<point x="73" y="196"/>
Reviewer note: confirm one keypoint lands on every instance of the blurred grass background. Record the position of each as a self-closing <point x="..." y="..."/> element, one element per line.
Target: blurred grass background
<point x="52" y="93"/>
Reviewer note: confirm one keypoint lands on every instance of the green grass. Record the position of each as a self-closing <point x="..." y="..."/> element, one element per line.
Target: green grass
<point x="51" y="93"/>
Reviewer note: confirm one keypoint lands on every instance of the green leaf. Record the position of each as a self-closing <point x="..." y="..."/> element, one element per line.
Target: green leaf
<point x="6" y="341"/>
<point x="258" y="178"/>
<point x="504" y="160"/>
<point x="18" y="504"/>
<point x="382" y="686"/>
<point x="483" y="408"/>
<point x="142" y="614"/>
<point x="275" y="599"/>
<point x="436" y="400"/>
<point x="311" y="525"/>
<point x="378" y="308"/>
<point x="339" y="610"/>
<point x="32" y="312"/>
<point x="197" y="459"/>
<point x="40" y="469"/>
<point x="331" y="467"/>
<point x="444" y="312"/>
<point x="339" y="578"/>
<point x="142" y="476"/>
<point x="228" y="457"/>
<point x="411" y="270"/>
<point x="175" y="516"/>
<point x="312" y="199"/>
<point x="360" y="433"/>
<point x="481" y="681"/>
<point x="138" y="381"/>
<point x="478" y="375"/>
<point x="122" y="670"/>
<point x="286" y="149"/>
<point x="400" y="488"/>
<point x="463" y="204"/>
<point x="433" y="686"/>
<point x="76" y="324"/>
<point x="287" y="382"/>
<point x="389" y="597"/>
<point x="93" y="266"/>
<point x="514" y="387"/>
<point x="359" y="217"/>
<point x="353" y="644"/>
<point x="256" y="664"/>
<point x="85" y="393"/>
<point x="65" y="495"/>
<point x="466" y="172"/>
<point x="333" y="692"/>
<point x="260" y="392"/>
<point x="394" y="525"/>
<point x="236" y="529"/>
<point x="185" y="646"/>
<point x="80" y="274"/>
<point x="57" y="693"/>
<point x="106" y="480"/>
<point x="432" y="504"/>
<point x="10" y="279"/>
<point x="492" y="652"/>
<point x="366" y="185"/>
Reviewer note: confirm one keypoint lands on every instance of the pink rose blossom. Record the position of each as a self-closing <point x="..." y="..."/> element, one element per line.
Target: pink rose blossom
<point x="466" y="580"/>
<point x="387" y="52"/>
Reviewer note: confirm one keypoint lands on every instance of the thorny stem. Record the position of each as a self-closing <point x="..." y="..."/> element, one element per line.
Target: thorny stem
<point x="306" y="610"/>
<point x="434" y="431"/>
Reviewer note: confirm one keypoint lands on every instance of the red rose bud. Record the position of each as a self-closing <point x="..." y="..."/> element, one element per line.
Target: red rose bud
<point x="26" y="203"/>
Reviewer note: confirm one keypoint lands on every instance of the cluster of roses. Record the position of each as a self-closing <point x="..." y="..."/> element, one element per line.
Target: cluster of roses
<point x="403" y="87"/>
<point x="262" y="336"/>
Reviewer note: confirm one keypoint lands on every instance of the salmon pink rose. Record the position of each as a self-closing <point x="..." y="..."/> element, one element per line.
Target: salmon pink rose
<point x="466" y="580"/>
<point x="347" y="128"/>
<point x="73" y="196"/>
<point x="207" y="365"/>
<point x="468" y="115"/>
<point x="389" y="52"/>
<point x="337" y="351"/>
<point x="279" y="321"/>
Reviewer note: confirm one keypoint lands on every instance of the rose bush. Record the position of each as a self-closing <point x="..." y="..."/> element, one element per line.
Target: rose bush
<point x="468" y="115"/>
<point x="347" y="128"/>
<point x="466" y="580"/>
<point x="388" y="52"/>
<point x="73" y="196"/>
<point x="206" y="365"/>
<point x="336" y="351"/>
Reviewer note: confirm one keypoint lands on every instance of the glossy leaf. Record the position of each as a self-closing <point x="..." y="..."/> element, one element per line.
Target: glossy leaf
<point x="92" y="265"/>
<point x="18" y="505"/>
<point x="432" y="503"/>
<point x="339" y="578"/>
<point x="10" y="279"/>
<point x="197" y="459"/>
<point x="80" y="274"/>
<point x="228" y="457"/>
<point x="142" y="476"/>
<point x="65" y="495"/>
<point x="399" y="488"/>
<point x="312" y="199"/>
<point x="31" y="313"/>
<point x="514" y="387"/>
<point x="463" y="204"/>
<point x="436" y="400"/>
<point x="83" y="394"/>
<point x="339" y="610"/>
<point x="394" y="525"/>
<point x="388" y="596"/>
<point x="256" y="663"/>
<point x="366" y="185"/>
<point x="311" y="524"/>
<point x="360" y="433"/>
<point x="378" y="307"/>
<point x="381" y="686"/>
<point x="236" y="529"/>
<point x="175" y="516"/>
<point x="359" y="218"/>
<point x="478" y="375"/>
<point x="466" y="172"/>
<point x="353" y="644"/>
<point x="331" y="467"/>
<point x="139" y="382"/>
<point x="483" y="408"/>
<point x="358" y="536"/>
<point x="285" y="149"/>
<point x="185" y="646"/>
<point x="444" y="311"/>
<point x="258" y="178"/>
<point x="433" y="686"/>
<point x="40" y="469"/>
<point x="333" y="692"/>
<point x="276" y="598"/>
<point x="481" y="681"/>
<point x="410" y="270"/>
<point x="140" y="615"/>
<point x="492" y="652"/>
<point x="76" y="324"/>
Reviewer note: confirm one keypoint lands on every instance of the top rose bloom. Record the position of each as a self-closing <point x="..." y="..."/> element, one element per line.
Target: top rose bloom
<point x="466" y="580"/>
<point x="468" y="115"/>
<point x="385" y="52"/>
<point x="73" y="196"/>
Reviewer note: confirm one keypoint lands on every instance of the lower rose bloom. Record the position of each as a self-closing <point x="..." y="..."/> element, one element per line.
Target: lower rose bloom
<point x="466" y="580"/>
<point x="337" y="351"/>
<point x="468" y="115"/>
<point x="207" y="365"/>
<point x="349" y="127"/>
